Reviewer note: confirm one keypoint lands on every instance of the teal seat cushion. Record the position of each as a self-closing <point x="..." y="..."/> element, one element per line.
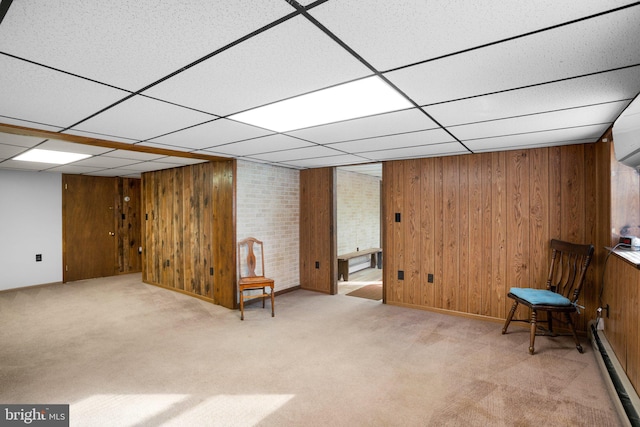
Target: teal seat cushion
<point x="540" y="296"/>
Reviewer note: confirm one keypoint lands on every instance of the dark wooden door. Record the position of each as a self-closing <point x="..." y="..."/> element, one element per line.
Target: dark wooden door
<point x="318" y="243"/>
<point x="89" y="227"/>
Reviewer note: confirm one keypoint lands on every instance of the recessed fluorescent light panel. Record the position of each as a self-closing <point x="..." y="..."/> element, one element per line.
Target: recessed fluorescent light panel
<point x="348" y="101"/>
<point x="48" y="156"/>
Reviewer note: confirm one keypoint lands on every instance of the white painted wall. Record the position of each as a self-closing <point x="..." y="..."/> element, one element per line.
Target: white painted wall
<point x="30" y="224"/>
<point x="268" y="208"/>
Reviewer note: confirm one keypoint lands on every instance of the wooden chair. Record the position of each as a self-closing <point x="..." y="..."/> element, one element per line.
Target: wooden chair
<point x="569" y="263"/>
<point x="251" y="273"/>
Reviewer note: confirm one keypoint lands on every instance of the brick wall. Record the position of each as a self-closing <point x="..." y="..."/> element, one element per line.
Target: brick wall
<point x="358" y="212"/>
<point x="268" y="208"/>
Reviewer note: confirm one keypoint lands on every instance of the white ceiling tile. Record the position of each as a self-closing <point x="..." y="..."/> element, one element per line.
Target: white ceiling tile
<point x="131" y="44"/>
<point x="100" y="136"/>
<point x="579" y="135"/>
<point x="346" y="159"/>
<point x="298" y="154"/>
<point x="12" y="121"/>
<point x="599" y="88"/>
<point x="38" y="94"/>
<point x="29" y="166"/>
<point x="76" y="169"/>
<point x="148" y="167"/>
<point x="179" y="161"/>
<point x="212" y="152"/>
<point x="608" y="42"/>
<point x="19" y="140"/>
<point x="136" y="155"/>
<point x="433" y="136"/>
<point x="367" y="127"/>
<point x="392" y="34"/>
<point x="57" y="145"/>
<point x="163" y="146"/>
<point x="261" y="162"/>
<point x="116" y="172"/>
<point x="9" y="151"/>
<point x="504" y="144"/>
<point x="134" y="44"/>
<point x="445" y="149"/>
<point x="104" y="162"/>
<point x="141" y="118"/>
<point x="597" y="114"/>
<point x="206" y="135"/>
<point x="290" y="59"/>
<point x="265" y="144"/>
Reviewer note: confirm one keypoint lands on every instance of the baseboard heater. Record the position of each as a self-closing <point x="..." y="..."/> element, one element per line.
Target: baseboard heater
<point x="620" y="388"/>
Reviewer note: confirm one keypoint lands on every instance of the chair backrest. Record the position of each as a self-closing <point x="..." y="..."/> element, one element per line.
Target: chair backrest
<point x="569" y="263"/>
<point x="250" y="258"/>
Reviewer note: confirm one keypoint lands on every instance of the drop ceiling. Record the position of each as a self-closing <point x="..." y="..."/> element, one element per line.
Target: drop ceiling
<point x="160" y="79"/>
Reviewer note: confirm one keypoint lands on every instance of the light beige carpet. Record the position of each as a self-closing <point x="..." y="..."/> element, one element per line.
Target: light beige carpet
<point x="123" y="353"/>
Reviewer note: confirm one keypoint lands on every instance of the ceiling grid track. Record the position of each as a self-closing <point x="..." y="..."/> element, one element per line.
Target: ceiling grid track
<point x="477" y="77"/>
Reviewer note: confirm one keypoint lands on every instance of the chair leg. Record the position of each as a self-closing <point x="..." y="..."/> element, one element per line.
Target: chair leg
<point x="509" y="317"/>
<point x="263" y="297"/>
<point x="573" y="331"/>
<point x="273" y="313"/>
<point x="241" y="305"/>
<point x="532" y="338"/>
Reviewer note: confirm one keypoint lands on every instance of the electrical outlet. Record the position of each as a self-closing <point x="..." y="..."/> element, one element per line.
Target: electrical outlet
<point x="400" y="275"/>
<point x="430" y="278"/>
<point x="38" y="257"/>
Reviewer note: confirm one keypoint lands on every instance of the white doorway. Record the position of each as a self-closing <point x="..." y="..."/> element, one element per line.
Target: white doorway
<point x="359" y="224"/>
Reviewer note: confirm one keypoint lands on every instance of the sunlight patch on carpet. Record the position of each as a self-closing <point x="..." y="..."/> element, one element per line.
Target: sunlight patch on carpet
<point x="175" y="409"/>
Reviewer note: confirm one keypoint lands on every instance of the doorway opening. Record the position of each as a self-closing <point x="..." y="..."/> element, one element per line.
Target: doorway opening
<point x="359" y="222"/>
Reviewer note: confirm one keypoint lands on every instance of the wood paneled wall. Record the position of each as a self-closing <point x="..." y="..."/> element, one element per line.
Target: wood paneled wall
<point x="621" y="288"/>
<point x="622" y="293"/>
<point x="189" y="230"/>
<point x="129" y="225"/>
<point x="318" y="243"/>
<point x="481" y="223"/>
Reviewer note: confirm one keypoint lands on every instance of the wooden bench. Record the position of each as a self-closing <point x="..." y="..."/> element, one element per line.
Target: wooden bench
<point x="343" y="261"/>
